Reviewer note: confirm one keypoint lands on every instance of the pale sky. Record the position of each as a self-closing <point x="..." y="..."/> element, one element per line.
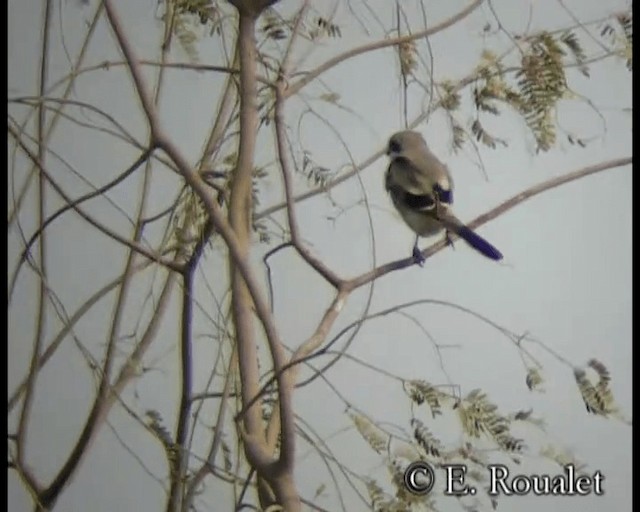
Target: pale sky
<point x="565" y="280"/>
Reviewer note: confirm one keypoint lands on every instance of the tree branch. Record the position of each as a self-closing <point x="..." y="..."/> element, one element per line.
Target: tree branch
<point x="41" y="321"/>
<point x="235" y="243"/>
<point x="132" y="244"/>
<point x="377" y="45"/>
<point x="56" y="116"/>
<point x="314" y="262"/>
<point x="382" y="270"/>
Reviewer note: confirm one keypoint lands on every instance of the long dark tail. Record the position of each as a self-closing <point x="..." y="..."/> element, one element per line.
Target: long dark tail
<point x="452" y="223"/>
<point x="478" y="243"/>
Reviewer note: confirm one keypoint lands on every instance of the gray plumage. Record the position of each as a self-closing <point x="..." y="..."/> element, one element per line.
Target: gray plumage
<point x="421" y="189"/>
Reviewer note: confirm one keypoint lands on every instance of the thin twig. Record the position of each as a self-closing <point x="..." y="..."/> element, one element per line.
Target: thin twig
<point x="25" y="413"/>
<point x="377" y="45"/>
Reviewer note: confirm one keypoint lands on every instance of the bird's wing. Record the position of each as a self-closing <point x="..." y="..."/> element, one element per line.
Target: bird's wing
<point x="408" y="173"/>
<point x="397" y="184"/>
<point x="403" y="175"/>
<point x="428" y="164"/>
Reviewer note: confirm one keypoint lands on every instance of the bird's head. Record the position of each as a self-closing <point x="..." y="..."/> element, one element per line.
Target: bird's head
<point x="401" y="142"/>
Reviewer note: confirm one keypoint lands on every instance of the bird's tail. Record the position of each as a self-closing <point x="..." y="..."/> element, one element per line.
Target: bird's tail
<point x="452" y="223"/>
<point x="479" y="243"/>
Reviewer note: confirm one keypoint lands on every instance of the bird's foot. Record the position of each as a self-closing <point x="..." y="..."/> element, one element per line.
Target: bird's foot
<point x="417" y="256"/>
<point x="447" y="238"/>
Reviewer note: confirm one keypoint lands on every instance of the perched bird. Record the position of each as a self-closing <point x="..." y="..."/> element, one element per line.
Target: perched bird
<point x="421" y="189"/>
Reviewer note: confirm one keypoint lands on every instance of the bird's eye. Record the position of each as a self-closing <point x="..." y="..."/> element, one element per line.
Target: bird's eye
<point x="394" y="147"/>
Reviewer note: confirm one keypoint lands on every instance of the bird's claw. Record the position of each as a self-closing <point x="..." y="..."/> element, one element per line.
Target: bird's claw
<point x="417" y="256"/>
<point x="447" y="238"/>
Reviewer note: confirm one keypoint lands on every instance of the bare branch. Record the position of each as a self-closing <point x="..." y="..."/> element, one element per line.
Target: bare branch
<point x="490" y="215"/>
<point x="25" y="413"/>
<point x="377" y="45"/>
<point x="100" y="408"/>
<point x="68" y="327"/>
<point x="72" y="205"/>
<point x="54" y="119"/>
<point x="132" y="244"/>
<point x="314" y="262"/>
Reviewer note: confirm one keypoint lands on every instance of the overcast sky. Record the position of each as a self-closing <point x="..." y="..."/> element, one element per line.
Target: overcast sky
<point x="565" y="280"/>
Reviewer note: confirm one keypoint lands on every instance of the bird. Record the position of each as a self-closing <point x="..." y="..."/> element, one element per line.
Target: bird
<point x="421" y="189"/>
